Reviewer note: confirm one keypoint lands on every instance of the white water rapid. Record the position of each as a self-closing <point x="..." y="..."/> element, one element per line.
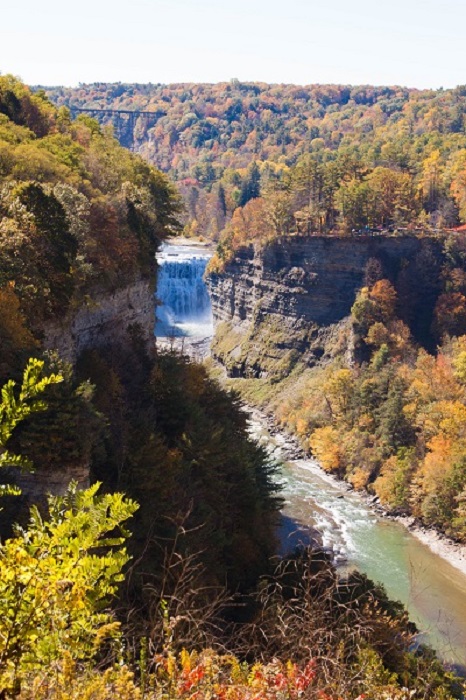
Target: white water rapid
<point x="432" y="590"/>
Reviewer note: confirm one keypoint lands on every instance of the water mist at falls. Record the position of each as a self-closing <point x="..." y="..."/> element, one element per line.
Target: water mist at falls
<point x="184" y="309"/>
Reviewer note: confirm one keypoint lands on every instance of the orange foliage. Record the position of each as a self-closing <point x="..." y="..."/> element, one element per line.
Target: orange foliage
<point x="433" y="379"/>
<point x="385" y="297"/>
<point x="450" y="314"/>
<point x="250" y="223"/>
<point x="12" y="321"/>
<point x="359" y="478"/>
<point x="194" y="676"/>
<point x="437" y="463"/>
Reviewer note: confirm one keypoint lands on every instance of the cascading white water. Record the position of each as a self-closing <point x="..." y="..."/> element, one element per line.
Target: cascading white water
<point x="184" y="304"/>
<point x="433" y="591"/>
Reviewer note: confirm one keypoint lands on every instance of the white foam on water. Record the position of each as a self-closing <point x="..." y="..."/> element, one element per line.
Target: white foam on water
<point x="184" y="308"/>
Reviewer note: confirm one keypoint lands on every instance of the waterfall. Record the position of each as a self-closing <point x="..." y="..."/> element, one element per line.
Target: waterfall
<point x="184" y="305"/>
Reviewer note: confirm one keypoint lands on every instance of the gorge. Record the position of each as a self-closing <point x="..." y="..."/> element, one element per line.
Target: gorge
<point x="292" y="302"/>
<point x="358" y="537"/>
<point x="189" y="600"/>
<point x="284" y="310"/>
<point x="284" y="304"/>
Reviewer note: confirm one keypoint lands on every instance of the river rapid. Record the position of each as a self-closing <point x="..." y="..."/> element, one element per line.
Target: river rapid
<point x="432" y="590"/>
<point x="316" y="504"/>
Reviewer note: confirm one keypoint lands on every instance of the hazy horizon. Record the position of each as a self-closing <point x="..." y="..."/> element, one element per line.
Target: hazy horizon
<point x="404" y="42"/>
<point x="221" y="82"/>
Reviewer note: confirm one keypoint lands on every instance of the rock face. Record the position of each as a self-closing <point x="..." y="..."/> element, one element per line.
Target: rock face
<point x="103" y="319"/>
<point x="35" y="486"/>
<point x="291" y="300"/>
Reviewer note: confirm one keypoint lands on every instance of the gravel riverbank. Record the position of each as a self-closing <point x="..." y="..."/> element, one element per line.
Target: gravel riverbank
<point x="290" y="450"/>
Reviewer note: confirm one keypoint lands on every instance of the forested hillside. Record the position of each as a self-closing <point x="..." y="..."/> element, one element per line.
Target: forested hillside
<point x="78" y="212"/>
<point x="359" y="346"/>
<point x="383" y="157"/>
<point x="393" y="422"/>
<point x="190" y="605"/>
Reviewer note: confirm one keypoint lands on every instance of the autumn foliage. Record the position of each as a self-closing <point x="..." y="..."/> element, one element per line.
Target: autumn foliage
<point x="394" y="422"/>
<point x="327" y="158"/>
<point x="77" y="211"/>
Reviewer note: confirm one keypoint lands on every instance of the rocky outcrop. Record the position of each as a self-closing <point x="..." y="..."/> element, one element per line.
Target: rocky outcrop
<point x="103" y="319"/>
<point x="289" y="301"/>
<point x="36" y="485"/>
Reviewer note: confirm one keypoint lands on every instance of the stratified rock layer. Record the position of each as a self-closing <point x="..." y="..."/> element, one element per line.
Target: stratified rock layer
<point x="289" y="300"/>
<point x="103" y="319"/>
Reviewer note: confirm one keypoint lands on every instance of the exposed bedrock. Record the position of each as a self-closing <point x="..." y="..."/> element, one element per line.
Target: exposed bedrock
<point x="103" y="319"/>
<point x="291" y="300"/>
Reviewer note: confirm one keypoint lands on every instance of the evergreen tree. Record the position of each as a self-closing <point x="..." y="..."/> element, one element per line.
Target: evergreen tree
<point x="250" y="187"/>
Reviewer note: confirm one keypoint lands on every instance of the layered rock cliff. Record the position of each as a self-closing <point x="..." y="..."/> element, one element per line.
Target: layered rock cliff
<point x="289" y="301"/>
<point x="103" y="319"/>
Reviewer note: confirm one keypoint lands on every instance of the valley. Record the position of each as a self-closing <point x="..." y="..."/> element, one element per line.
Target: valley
<point x="330" y="286"/>
<point x="317" y="506"/>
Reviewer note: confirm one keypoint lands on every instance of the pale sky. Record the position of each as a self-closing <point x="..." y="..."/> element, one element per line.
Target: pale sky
<point x="418" y="43"/>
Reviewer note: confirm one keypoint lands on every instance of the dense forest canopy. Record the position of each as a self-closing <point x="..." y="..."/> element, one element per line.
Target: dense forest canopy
<point x="385" y="157"/>
<point x="392" y="421"/>
<point x="93" y="218"/>
<point x="86" y="609"/>
<point x="77" y="210"/>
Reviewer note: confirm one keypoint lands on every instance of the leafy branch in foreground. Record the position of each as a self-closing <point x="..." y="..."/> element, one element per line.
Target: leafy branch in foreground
<point x="14" y="409"/>
<point x="58" y="577"/>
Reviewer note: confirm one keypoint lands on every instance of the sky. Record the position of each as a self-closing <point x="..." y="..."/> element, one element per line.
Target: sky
<point x="416" y="43"/>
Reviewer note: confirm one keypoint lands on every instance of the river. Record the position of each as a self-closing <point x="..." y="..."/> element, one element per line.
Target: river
<point x="433" y="591"/>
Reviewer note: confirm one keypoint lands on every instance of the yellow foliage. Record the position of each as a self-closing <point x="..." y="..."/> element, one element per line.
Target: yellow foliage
<point x="366" y="422"/>
<point x="377" y="335"/>
<point x="65" y="682"/>
<point x="325" y="445"/>
<point x="459" y="364"/>
<point x="383" y="485"/>
<point x="359" y="478"/>
<point x="338" y="389"/>
<point x="301" y="426"/>
<point x="433" y="379"/>
<point x="437" y="463"/>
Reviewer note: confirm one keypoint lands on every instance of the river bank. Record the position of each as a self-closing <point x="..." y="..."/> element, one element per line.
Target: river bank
<point x="352" y="527"/>
<point x="416" y="567"/>
<point x="452" y="552"/>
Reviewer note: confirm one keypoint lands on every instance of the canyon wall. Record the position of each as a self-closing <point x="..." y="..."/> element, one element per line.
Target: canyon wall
<point x="291" y="300"/>
<point x="102" y="319"/>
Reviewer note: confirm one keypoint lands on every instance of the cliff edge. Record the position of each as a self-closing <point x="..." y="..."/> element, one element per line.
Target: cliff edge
<point x="290" y="301"/>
